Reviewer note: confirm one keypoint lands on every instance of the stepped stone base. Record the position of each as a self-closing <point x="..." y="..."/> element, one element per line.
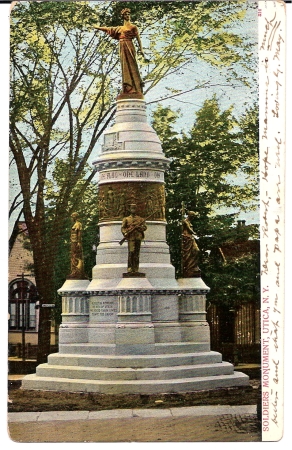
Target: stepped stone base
<point x="134" y="374"/>
<point x="135" y="386"/>
<point x="154" y="342"/>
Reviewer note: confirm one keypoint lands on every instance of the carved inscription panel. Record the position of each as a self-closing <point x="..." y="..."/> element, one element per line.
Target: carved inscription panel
<point x="103" y="309"/>
<point x="111" y="142"/>
<point x="131" y="175"/>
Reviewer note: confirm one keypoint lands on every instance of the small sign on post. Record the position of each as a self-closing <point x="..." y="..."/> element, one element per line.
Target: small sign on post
<point x="48" y="305"/>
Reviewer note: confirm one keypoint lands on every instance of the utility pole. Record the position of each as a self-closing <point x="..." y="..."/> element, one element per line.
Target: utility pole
<point x="182" y="227"/>
<point x="24" y="304"/>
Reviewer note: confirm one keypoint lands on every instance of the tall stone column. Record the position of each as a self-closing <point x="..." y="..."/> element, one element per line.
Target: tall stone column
<point x="135" y="314"/>
<point x="131" y="169"/>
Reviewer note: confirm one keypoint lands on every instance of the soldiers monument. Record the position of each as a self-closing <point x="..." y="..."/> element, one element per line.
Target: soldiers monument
<point x="135" y="328"/>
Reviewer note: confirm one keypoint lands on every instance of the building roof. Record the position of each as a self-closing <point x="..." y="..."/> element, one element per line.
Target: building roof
<point x="239" y="249"/>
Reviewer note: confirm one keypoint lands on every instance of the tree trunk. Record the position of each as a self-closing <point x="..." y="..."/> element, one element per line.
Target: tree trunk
<point x="44" y="335"/>
<point x="44" y="259"/>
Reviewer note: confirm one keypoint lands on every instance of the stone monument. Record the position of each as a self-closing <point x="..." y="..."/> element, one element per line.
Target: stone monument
<point x="133" y="334"/>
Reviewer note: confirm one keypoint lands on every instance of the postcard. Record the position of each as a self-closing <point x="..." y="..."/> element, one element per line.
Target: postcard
<point x="147" y="221"/>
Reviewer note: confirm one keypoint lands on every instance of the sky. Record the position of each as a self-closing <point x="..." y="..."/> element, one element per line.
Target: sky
<point x="191" y="102"/>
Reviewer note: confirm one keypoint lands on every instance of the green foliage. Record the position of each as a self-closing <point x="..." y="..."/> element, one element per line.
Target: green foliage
<point x="61" y="102"/>
<point x="163" y="121"/>
<point x="248" y="137"/>
<point x="64" y="75"/>
<point x="180" y="33"/>
<point x="203" y="158"/>
<point x="233" y="282"/>
<point x="83" y="200"/>
<point x="205" y="164"/>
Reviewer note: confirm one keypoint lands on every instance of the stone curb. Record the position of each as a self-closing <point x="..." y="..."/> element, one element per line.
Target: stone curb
<point x="192" y="411"/>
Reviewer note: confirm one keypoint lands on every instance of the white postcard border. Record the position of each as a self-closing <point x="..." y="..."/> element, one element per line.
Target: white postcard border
<point x="272" y="73"/>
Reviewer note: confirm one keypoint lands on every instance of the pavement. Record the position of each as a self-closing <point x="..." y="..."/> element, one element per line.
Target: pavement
<point x="192" y="411"/>
<point x="187" y="424"/>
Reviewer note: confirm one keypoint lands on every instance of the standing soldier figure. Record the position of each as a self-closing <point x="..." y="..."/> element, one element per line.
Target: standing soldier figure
<point x="190" y="250"/>
<point x="133" y="228"/>
<point x="77" y="264"/>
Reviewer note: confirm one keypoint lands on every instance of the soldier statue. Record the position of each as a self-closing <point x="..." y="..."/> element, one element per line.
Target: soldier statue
<point x="133" y="228"/>
<point x="77" y="265"/>
<point x="190" y="249"/>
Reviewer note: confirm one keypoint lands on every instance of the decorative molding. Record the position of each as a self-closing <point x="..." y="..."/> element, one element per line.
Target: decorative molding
<point x="161" y="164"/>
<point x="134" y="304"/>
<point x="76" y="304"/>
<point x="192" y="303"/>
<point x="154" y="291"/>
<point x="133" y="105"/>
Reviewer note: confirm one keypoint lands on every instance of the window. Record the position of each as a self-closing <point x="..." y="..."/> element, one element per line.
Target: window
<point x="22" y="298"/>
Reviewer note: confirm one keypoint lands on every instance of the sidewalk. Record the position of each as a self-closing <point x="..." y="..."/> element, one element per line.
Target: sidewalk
<point x="191" y="411"/>
<point x="187" y="424"/>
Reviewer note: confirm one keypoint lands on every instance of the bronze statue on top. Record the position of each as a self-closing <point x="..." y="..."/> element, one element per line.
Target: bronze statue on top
<point x="131" y="79"/>
<point x="77" y="265"/>
<point x="190" y="250"/>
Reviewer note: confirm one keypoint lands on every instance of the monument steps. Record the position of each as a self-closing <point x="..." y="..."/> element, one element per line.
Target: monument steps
<point x="155" y="386"/>
<point x="157" y="348"/>
<point x="135" y="361"/>
<point x="128" y="373"/>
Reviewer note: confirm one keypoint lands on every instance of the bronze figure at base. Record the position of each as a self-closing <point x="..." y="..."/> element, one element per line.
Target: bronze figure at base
<point x="133" y="228"/>
<point x="77" y="265"/>
<point x="134" y="275"/>
<point x="190" y="249"/>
